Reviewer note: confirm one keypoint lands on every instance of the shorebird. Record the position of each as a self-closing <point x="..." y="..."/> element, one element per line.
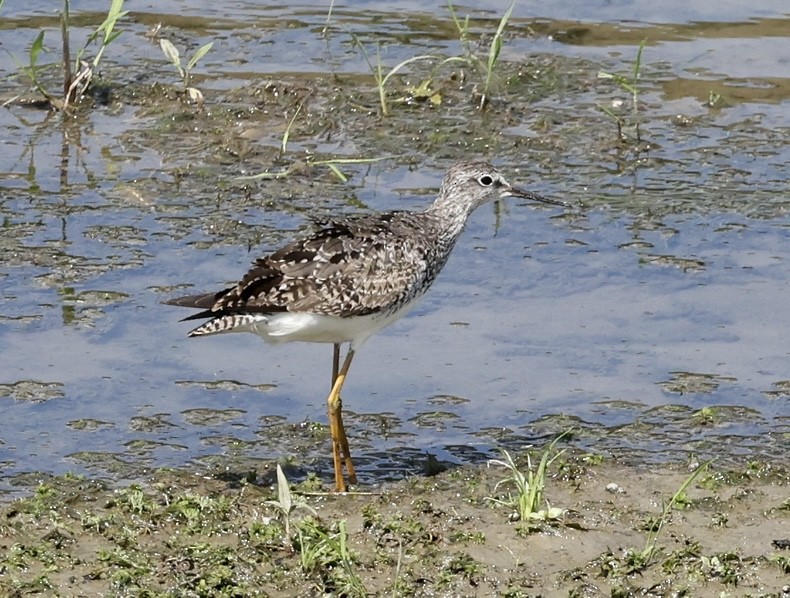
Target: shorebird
<point x="349" y="278"/>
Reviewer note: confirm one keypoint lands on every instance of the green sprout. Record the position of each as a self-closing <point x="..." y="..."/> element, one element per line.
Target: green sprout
<point x="174" y="56"/>
<point x="629" y="84"/>
<point x="285" y="502"/>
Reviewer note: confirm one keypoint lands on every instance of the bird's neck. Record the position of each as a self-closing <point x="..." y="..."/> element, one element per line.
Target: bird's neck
<point x="450" y="216"/>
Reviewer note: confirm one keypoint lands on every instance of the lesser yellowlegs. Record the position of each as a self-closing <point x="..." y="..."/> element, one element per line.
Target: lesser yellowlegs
<point x="349" y="278"/>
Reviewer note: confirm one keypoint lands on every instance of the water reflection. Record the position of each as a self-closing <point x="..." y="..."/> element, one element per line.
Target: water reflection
<point x="652" y="321"/>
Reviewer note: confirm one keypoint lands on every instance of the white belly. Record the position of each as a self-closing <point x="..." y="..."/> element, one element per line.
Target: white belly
<point x="284" y="327"/>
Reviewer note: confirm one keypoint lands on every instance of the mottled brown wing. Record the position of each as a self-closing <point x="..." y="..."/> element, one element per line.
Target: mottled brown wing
<point x="355" y="266"/>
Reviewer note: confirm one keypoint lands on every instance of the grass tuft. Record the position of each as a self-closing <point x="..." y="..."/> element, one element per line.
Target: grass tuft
<point x="74" y="85"/>
<point x="485" y="68"/>
<point x="529" y="485"/>
<point x="378" y="71"/>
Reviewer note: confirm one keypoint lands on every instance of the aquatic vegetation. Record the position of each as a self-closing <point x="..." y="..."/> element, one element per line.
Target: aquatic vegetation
<point x="174" y="56"/>
<point x="378" y="71"/>
<point x="305" y="162"/>
<point x="332" y="164"/>
<point x="75" y="82"/>
<point x="629" y="84"/>
<point x="485" y="67"/>
<point x="424" y="90"/>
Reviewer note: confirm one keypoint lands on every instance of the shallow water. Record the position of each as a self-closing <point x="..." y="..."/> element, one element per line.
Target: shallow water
<point x="653" y="319"/>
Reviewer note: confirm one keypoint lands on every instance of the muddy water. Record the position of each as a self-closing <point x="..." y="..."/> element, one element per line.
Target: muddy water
<point x="652" y="317"/>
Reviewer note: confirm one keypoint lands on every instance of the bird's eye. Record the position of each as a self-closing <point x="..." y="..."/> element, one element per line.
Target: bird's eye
<point x="486" y="180"/>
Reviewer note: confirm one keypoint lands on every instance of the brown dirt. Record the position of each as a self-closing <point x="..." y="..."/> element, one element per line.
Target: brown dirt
<point x="186" y="535"/>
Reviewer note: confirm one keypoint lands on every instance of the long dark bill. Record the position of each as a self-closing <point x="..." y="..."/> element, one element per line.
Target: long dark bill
<point x="514" y="192"/>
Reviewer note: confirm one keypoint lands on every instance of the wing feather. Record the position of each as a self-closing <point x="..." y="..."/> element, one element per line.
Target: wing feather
<point x="349" y="267"/>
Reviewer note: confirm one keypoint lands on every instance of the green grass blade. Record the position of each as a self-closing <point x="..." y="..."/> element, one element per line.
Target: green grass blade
<point x="621" y="81"/>
<point x="496" y="46"/>
<point x="399" y="66"/>
<point x="638" y="61"/>
<point x="463" y="28"/>
<point x="494" y="50"/>
<point x="652" y="537"/>
<point x="201" y="52"/>
<point x="172" y="54"/>
<point x="35" y="49"/>
<point x="328" y="16"/>
<point x="337" y="172"/>
<point x="113" y="37"/>
<point x="358" y="42"/>
<point x="265" y="175"/>
<point x="283" y="491"/>
<point x="635" y="83"/>
<point x="114" y="15"/>
<point x="287" y="134"/>
<point x="32" y="69"/>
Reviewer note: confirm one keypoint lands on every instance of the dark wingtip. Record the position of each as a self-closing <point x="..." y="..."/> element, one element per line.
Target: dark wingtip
<point x="201" y="315"/>
<point x="201" y="301"/>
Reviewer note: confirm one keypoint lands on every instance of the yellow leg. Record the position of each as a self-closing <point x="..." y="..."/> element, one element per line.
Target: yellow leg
<point x="338" y="432"/>
<point x="335" y="363"/>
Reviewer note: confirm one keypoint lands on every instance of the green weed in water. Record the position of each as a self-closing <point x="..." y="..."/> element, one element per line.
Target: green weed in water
<point x="77" y="81"/>
<point x="629" y="84"/>
<point x="174" y="56"/>
<point x="332" y="164"/>
<point x="378" y="71"/>
<point x="485" y="68"/>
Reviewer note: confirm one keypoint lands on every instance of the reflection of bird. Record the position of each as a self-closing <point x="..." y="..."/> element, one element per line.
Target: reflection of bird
<point x="350" y="278"/>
